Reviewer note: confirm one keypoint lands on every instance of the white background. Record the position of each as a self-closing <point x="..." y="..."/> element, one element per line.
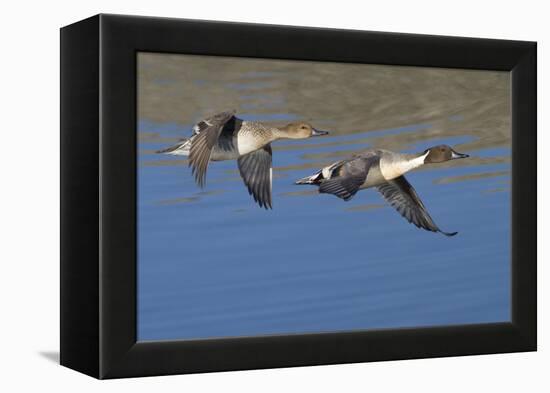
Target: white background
<point x="29" y="219"/>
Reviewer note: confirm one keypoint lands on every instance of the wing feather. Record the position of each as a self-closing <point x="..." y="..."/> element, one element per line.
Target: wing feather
<point x="347" y="178"/>
<point x="255" y="169"/>
<point x="206" y="137"/>
<point x="402" y="196"/>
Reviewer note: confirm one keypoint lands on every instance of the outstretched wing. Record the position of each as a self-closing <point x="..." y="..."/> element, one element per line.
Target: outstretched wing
<point x="256" y="171"/>
<point x="206" y="137"/>
<point x="346" y="179"/>
<point x="401" y="195"/>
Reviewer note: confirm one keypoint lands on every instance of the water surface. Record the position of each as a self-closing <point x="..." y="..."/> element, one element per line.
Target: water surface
<point x="211" y="263"/>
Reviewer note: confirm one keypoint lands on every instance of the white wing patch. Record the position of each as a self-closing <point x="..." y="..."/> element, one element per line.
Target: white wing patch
<point x="327" y="171"/>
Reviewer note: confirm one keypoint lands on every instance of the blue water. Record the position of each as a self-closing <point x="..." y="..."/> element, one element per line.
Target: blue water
<point x="211" y="263"/>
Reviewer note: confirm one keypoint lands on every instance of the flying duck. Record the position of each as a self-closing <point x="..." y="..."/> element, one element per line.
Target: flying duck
<point x="226" y="137"/>
<point x="384" y="170"/>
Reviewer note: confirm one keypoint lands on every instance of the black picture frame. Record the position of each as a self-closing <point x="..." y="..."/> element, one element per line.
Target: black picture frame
<point x="98" y="195"/>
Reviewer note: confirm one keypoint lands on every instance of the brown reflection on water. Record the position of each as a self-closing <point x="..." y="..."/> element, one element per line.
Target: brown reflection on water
<point x="365" y="208"/>
<point x="167" y="162"/>
<point x="300" y="193"/>
<point x="175" y="201"/>
<point x="475" y="176"/>
<point x="188" y="199"/>
<point x="494" y="190"/>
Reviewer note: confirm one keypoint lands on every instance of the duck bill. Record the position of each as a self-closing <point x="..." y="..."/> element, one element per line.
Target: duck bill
<point x="316" y="132"/>
<point x="456" y="156"/>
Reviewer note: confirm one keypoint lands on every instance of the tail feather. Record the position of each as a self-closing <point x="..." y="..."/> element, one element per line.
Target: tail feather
<point x="182" y="148"/>
<point x="326" y="173"/>
<point x="313" y="179"/>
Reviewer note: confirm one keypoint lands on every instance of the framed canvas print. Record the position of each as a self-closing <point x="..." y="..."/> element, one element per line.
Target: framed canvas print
<point x="239" y="196"/>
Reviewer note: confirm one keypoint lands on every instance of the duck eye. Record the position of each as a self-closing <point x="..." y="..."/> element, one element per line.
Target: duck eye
<point x="304" y="127"/>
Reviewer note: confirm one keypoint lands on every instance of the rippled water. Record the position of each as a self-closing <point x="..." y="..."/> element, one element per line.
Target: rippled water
<point x="213" y="264"/>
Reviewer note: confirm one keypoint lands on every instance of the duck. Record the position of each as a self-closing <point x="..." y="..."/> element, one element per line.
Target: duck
<point x="384" y="170"/>
<point x="224" y="136"/>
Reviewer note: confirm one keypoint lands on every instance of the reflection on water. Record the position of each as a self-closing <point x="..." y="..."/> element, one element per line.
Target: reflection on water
<point x="364" y="208"/>
<point x="475" y="176"/>
<point x="212" y="264"/>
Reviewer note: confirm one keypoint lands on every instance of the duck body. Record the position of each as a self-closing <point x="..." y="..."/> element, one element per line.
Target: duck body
<point x="384" y="170"/>
<point x="237" y="138"/>
<point x="225" y="137"/>
<point x="377" y="165"/>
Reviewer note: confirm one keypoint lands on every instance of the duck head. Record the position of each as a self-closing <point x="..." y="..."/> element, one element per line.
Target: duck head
<point x="441" y="153"/>
<point x="300" y="130"/>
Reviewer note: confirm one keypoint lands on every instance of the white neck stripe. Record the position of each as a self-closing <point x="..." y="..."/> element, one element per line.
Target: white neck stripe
<point x="392" y="169"/>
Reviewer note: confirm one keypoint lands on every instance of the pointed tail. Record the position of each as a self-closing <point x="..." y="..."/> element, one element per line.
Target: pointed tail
<point x="313" y="179"/>
<point x="179" y="149"/>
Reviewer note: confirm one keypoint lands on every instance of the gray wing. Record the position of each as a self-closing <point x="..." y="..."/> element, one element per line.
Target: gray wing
<point x="255" y="169"/>
<point x="206" y="137"/>
<point x="401" y="195"/>
<point x="346" y="179"/>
